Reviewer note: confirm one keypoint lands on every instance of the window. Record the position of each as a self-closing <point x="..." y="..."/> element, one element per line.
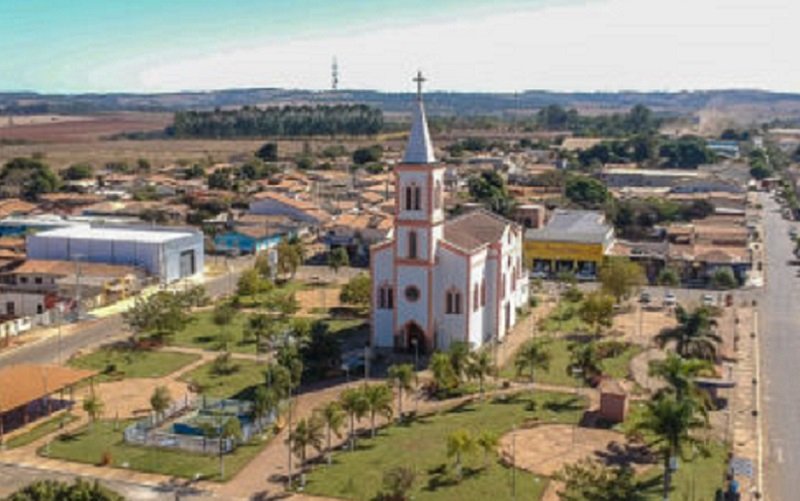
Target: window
<point x="453" y="302"/>
<point x="38" y="280"/>
<point x="412" y="245"/>
<point x="412" y="293"/>
<point x="503" y="287"/>
<point x="23" y="280"/>
<point x="476" y="297"/>
<point x="483" y="292"/>
<point x="417" y="198"/>
<point x="386" y="297"/>
<point x="413" y="197"/>
<point x="437" y="195"/>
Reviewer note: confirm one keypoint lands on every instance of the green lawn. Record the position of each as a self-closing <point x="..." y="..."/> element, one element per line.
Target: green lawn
<point x="88" y="445"/>
<point x="421" y="445"/>
<point x="564" y="318"/>
<point x="239" y="384"/>
<point x="202" y="333"/>
<point x="616" y="367"/>
<point x="695" y="479"/>
<point x="40" y="430"/>
<point x="115" y="363"/>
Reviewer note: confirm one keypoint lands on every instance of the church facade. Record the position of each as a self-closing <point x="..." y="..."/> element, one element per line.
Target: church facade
<point x="436" y="280"/>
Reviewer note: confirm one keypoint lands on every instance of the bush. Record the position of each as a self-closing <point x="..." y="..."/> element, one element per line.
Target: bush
<point x="573" y="295"/>
<point x="723" y="278"/>
<point x="106" y="459"/>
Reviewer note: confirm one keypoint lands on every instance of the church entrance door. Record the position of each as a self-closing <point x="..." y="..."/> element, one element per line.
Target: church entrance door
<point x="415" y="338"/>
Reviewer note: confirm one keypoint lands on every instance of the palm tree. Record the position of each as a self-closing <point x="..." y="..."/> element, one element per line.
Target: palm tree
<point x="670" y="422"/>
<point x="259" y="326"/>
<point x="694" y="336"/>
<point x="487" y="441"/>
<point x="584" y="358"/>
<point x="379" y="401"/>
<point x="332" y="416"/>
<point x="534" y="354"/>
<point x="355" y="404"/>
<point x="93" y="406"/>
<point x="401" y="376"/>
<point x="442" y="368"/>
<point x="480" y="366"/>
<point x="264" y="401"/>
<point x="459" y="442"/>
<point x="160" y="400"/>
<point x="679" y="374"/>
<point x="459" y="354"/>
<point x="307" y="433"/>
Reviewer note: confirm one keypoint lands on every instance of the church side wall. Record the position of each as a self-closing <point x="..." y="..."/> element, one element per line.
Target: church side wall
<point x="477" y="316"/>
<point x="381" y="262"/>
<point x="450" y="273"/>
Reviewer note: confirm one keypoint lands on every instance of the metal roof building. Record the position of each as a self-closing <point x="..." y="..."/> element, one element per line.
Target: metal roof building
<point x="167" y="253"/>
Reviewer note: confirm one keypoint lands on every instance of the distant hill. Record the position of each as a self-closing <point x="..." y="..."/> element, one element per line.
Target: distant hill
<point x="441" y="103"/>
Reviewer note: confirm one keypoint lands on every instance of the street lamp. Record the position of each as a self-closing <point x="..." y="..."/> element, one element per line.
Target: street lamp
<point x="577" y="372"/>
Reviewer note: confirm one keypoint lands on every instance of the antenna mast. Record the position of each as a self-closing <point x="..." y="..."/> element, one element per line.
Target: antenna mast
<point x="335" y="75"/>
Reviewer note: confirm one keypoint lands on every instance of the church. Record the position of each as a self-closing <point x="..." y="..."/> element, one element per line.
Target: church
<point x="439" y="280"/>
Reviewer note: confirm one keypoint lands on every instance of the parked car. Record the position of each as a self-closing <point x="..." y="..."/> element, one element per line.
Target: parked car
<point x="670" y="300"/>
<point x="645" y="298"/>
<point x="708" y="300"/>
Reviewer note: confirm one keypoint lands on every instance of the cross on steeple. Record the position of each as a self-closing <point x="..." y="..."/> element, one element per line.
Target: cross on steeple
<point x="419" y="79"/>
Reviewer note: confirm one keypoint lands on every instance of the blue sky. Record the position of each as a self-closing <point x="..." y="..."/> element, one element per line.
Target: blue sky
<point x="499" y="45"/>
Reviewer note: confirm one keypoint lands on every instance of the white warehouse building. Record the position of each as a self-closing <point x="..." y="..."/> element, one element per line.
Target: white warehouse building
<point x="167" y="253"/>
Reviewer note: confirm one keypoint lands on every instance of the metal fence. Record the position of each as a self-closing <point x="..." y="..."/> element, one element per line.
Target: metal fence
<point x="146" y="431"/>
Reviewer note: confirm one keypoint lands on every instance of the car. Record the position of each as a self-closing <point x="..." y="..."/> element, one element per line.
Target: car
<point x="538" y="274"/>
<point x="645" y="298"/>
<point x="670" y="299"/>
<point x="793" y="233"/>
<point x="708" y="300"/>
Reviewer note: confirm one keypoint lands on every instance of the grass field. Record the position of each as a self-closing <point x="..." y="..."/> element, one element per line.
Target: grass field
<point x="90" y="443"/>
<point x="421" y="445"/>
<point x="115" y="363"/>
<point x="237" y="385"/>
<point x="40" y="430"/>
<point x="695" y="479"/>
<point x="616" y="367"/>
<point x="202" y="333"/>
<point x="564" y="318"/>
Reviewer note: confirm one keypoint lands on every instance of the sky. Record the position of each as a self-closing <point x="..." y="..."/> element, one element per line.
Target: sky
<point x="461" y="45"/>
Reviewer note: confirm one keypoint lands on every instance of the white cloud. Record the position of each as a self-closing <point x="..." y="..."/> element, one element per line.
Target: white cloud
<point x="608" y="45"/>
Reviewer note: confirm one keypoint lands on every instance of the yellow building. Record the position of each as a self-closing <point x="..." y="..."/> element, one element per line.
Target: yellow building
<point x="573" y="240"/>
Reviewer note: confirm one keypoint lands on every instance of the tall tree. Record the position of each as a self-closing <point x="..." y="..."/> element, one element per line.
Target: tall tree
<point x="459" y="443"/>
<point x="379" y="402"/>
<point x="28" y="178"/>
<point x="694" y="336"/>
<point x="480" y="367"/>
<point x="590" y="480"/>
<point x="444" y="377"/>
<point x="620" y="277"/>
<point x="533" y="354"/>
<point x="671" y="423"/>
<point x="487" y="441"/>
<point x="401" y="377"/>
<point x="597" y="310"/>
<point x="332" y="416"/>
<point x="160" y="400"/>
<point x="338" y="258"/>
<point x="680" y="374"/>
<point x="354" y="403"/>
<point x="307" y="433"/>
<point x="93" y="406"/>
<point x="357" y="291"/>
<point x="584" y="358"/>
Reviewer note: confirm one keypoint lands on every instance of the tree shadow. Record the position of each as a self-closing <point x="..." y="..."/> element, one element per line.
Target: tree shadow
<point x="441" y="476"/>
<point x="572" y="404"/>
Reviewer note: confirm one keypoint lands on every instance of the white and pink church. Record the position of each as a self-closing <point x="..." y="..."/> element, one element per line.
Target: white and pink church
<point x="436" y="280"/>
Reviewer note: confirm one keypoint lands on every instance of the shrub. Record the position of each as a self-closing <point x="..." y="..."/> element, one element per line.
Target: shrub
<point x="106" y="459"/>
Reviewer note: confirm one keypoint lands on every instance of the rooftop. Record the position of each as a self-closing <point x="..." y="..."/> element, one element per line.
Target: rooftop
<point x="138" y="234"/>
<point x="475" y="229"/>
<point x="572" y="226"/>
<point x="27" y="382"/>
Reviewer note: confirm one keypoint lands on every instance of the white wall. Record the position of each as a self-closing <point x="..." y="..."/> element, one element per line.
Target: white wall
<point x="382" y="320"/>
<point x="450" y="272"/>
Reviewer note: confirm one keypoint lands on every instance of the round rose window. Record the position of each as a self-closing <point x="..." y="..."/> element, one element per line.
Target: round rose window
<point x="412" y="293"/>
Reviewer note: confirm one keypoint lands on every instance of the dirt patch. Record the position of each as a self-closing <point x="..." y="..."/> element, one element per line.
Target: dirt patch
<point x="639" y="326"/>
<point x="546" y="449"/>
<point x="69" y="129"/>
<point x="311" y="301"/>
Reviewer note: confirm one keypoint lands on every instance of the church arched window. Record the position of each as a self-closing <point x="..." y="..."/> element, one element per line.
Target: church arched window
<point x="417" y="198"/>
<point x="483" y="292"/>
<point x="386" y="297"/>
<point x="412" y="245"/>
<point x="452" y="302"/>
<point x="409" y="202"/>
<point x="437" y="195"/>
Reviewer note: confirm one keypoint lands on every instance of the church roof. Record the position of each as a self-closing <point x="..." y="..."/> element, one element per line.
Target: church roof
<point x="419" y="149"/>
<point x="475" y="229"/>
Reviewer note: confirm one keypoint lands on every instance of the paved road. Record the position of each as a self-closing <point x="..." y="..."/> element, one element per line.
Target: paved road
<point x="92" y="333"/>
<point x="780" y="347"/>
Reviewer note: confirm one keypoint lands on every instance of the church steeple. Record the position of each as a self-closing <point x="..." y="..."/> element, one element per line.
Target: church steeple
<point x="419" y="149"/>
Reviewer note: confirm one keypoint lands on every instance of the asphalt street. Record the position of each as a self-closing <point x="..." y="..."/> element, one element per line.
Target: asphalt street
<point x="779" y="330"/>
